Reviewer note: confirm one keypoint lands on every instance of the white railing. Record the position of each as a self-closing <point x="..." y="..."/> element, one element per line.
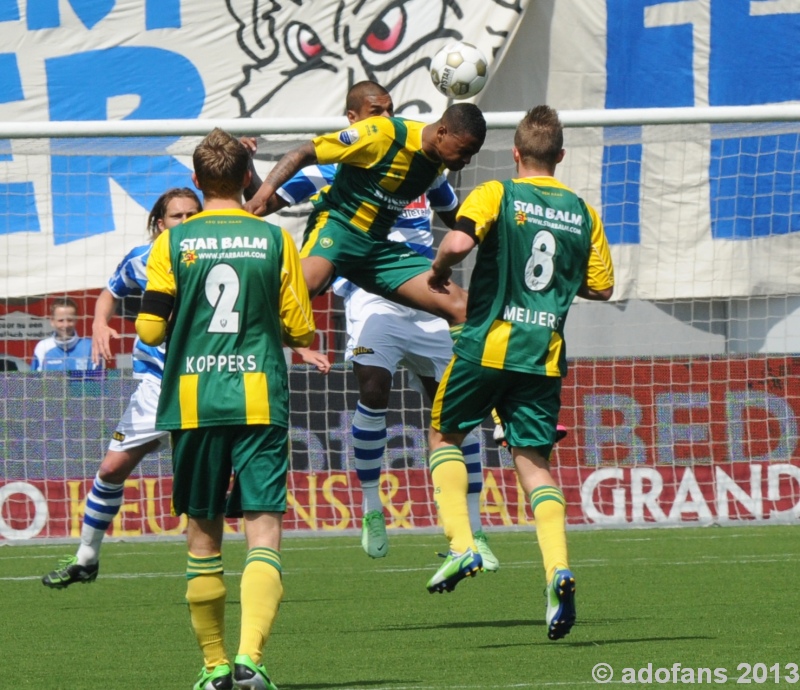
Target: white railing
<point x="504" y="120"/>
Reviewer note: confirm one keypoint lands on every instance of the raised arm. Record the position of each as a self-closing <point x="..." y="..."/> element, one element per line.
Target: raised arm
<point x="287" y="166"/>
<point x="251" y="145"/>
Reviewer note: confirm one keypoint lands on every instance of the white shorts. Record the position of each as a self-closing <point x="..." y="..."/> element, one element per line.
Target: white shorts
<point x="387" y="335"/>
<point x="138" y="423"/>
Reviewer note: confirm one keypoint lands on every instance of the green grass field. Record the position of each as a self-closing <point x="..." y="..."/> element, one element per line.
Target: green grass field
<point x="703" y="597"/>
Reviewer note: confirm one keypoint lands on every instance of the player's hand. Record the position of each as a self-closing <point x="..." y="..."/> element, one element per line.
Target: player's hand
<point x="102" y="335"/>
<point x="257" y="205"/>
<point x="439" y="280"/>
<point x="250" y="143"/>
<point x="314" y="357"/>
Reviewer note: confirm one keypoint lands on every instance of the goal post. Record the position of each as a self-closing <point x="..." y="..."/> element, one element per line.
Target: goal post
<point x="683" y="393"/>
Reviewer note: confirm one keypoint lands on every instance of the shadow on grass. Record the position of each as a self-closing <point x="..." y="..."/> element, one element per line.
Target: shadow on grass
<point x="636" y="640"/>
<point x="465" y="624"/>
<point x="351" y="684"/>
<point x="519" y="623"/>
<point x="597" y="643"/>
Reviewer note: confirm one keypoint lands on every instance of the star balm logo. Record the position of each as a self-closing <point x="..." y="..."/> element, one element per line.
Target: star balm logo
<point x="520" y="217"/>
<point x="188" y="257"/>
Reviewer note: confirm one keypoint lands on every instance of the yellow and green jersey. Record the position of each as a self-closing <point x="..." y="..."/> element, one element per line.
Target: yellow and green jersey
<point x="237" y="286"/>
<point x="539" y="242"/>
<point x="382" y="170"/>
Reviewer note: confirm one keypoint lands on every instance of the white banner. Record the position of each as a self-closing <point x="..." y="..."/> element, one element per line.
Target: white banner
<point x="691" y="212"/>
<point x="69" y="212"/>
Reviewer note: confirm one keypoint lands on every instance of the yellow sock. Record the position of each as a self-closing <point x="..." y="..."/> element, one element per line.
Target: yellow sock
<point x="262" y="591"/>
<point x="205" y="593"/>
<point x="550" y="513"/>
<point x="449" y="475"/>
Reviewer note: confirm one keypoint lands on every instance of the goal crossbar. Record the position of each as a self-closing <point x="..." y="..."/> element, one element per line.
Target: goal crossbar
<point x="494" y="120"/>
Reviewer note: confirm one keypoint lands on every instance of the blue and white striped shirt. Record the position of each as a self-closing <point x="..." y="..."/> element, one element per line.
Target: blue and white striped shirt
<point x="130" y="278"/>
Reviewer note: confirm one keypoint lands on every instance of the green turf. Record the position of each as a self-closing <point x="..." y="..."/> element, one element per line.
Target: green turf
<point x="704" y="597"/>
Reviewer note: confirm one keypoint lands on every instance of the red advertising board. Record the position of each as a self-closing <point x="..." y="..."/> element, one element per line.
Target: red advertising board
<point x="698" y="440"/>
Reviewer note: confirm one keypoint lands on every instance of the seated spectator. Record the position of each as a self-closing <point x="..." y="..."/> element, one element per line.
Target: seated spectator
<point x="65" y="350"/>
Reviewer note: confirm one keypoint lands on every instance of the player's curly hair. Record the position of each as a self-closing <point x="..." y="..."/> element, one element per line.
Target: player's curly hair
<point x="221" y="162"/>
<point x="159" y="210"/>
<point x="540" y="137"/>
<point x="465" y="118"/>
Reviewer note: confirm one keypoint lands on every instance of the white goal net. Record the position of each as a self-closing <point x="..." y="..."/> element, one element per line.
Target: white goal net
<point x="683" y="393"/>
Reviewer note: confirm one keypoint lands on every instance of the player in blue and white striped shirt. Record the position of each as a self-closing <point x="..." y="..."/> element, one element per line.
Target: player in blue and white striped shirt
<point x="136" y="434"/>
<point x="382" y="334"/>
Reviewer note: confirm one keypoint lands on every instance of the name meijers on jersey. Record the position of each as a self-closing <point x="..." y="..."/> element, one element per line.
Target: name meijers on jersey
<point x="538" y="318"/>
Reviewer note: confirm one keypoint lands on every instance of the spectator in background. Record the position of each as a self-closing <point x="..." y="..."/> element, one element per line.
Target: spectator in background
<point x="65" y="350"/>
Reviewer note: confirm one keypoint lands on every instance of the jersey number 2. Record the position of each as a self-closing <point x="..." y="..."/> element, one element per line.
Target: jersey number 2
<point x="222" y="289"/>
<point x="539" y="269"/>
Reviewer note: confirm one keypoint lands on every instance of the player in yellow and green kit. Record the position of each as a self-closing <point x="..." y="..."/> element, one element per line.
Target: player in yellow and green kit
<point x="540" y="245"/>
<point x="384" y="164"/>
<point x="229" y="289"/>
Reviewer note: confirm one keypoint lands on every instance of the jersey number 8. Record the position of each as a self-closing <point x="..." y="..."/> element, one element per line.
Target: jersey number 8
<point x="539" y="269"/>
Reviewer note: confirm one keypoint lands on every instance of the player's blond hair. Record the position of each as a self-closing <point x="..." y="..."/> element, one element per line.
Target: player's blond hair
<point x="540" y="137"/>
<point x="220" y="163"/>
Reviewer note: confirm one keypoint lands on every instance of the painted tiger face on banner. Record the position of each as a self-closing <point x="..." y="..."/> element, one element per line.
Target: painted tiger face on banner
<point x="302" y="55"/>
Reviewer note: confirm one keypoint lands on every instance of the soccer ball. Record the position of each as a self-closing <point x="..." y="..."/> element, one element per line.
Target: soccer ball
<point x="459" y="70"/>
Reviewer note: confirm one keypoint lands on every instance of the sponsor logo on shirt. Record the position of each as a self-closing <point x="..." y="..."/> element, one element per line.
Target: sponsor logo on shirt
<point x="189" y="257"/>
<point x="419" y="202"/>
<point x="348" y="136"/>
<point x="326" y="243"/>
<point x="118" y="436"/>
<point x="363" y="351"/>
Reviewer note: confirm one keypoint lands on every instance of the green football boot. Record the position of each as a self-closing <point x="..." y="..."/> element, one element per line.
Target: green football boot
<point x="69" y="572"/>
<point x="454" y="569"/>
<point x="218" y="679"/>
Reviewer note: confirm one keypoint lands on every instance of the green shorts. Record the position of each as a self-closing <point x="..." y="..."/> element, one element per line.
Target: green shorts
<point x="378" y="266"/>
<point x="528" y="404"/>
<point x="202" y="462"/>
